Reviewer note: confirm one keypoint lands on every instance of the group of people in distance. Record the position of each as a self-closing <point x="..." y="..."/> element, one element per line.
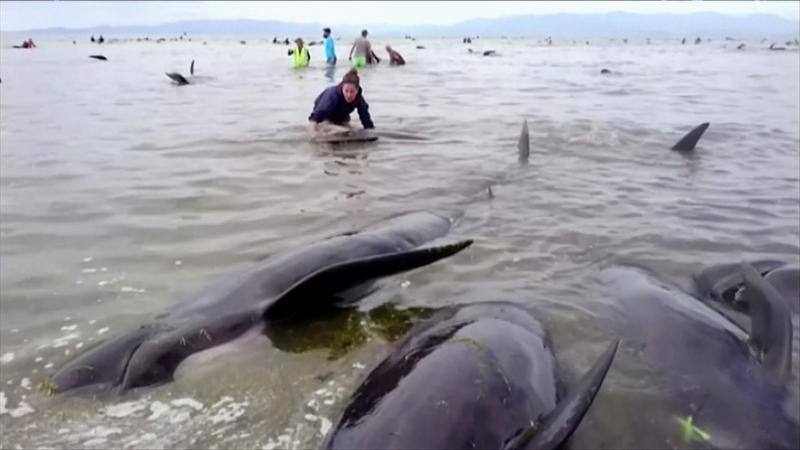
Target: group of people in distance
<point x="332" y="107"/>
<point x="361" y="52"/>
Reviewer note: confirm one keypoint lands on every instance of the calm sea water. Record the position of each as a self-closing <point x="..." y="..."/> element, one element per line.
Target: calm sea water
<point x="121" y="194"/>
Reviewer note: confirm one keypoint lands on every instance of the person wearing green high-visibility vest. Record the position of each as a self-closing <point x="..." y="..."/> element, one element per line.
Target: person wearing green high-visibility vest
<point x="300" y="54"/>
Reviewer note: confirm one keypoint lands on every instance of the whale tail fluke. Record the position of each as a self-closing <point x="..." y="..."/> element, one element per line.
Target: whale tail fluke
<point x="688" y="142"/>
<point x="350" y="274"/>
<point x="524" y="144"/>
<point x="552" y="431"/>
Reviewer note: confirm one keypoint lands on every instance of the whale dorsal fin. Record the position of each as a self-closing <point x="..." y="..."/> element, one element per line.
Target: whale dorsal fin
<point x="688" y="142"/>
<point x="524" y="144"/>
<point x="191" y="68"/>
<point x="345" y="275"/>
<point x="559" y="424"/>
<point x="771" y="329"/>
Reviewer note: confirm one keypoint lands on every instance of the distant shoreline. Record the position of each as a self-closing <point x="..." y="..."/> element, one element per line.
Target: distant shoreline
<point x="579" y="26"/>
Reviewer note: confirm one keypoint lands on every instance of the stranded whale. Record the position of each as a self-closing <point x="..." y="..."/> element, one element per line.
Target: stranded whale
<point x="331" y="271"/>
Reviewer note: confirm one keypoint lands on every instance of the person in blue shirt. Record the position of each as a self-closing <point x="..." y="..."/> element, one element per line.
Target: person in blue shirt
<point x="333" y="106"/>
<point x="330" y="53"/>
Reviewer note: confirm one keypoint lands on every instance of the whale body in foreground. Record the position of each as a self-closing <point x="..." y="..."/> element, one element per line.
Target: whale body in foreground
<point x="310" y="278"/>
<point x="481" y="376"/>
<point x="734" y="381"/>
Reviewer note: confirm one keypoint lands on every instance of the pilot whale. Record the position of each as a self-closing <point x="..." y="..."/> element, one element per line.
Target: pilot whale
<point x="736" y="383"/>
<point x="179" y="79"/>
<point x="332" y="271"/>
<point x="480" y="376"/>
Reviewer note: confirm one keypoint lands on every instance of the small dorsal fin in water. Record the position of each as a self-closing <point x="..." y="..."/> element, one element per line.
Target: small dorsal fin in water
<point x="524" y="144"/>
<point x="688" y="142"/>
<point x="560" y="423"/>
<point x="342" y="276"/>
<point x="191" y="68"/>
<point x="771" y="329"/>
<point x="178" y="78"/>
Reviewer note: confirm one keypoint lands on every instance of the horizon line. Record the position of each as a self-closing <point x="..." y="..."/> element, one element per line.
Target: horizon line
<point x="776" y="16"/>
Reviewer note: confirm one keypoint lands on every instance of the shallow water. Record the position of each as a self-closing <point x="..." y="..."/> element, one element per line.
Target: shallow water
<point x="121" y="193"/>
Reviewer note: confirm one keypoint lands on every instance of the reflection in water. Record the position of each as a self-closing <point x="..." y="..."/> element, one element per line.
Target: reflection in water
<point x="329" y="73"/>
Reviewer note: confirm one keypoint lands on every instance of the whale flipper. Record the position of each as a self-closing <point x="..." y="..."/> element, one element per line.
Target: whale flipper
<point x="687" y="143"/>
<point x="345" y="275"/>
<point x="191" y="68"/>
<point x="178" y="78"/>
<point x="560" y="423"/>
<point x="771" y="330"/>
<point x="524" y="144"/>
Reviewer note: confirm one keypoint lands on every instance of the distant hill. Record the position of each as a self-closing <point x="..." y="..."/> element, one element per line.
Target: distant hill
<point x="632" y="25"/>
<point x="616" y="24"/>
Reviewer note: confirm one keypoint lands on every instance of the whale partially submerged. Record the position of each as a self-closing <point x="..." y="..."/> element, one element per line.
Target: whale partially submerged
<point x="735" y="382"/>
<point x="689" y="141"/>
<point x="480" y="376"/>
<point x="177" y="78"/>
<point x="336" y="270"/>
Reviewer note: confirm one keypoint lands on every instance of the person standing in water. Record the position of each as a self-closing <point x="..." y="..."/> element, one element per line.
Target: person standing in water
<point x="333" y="106"/>
<point x="330" y="52"/>
<point x="361" y="51"/>
<point x="300" y="55"/>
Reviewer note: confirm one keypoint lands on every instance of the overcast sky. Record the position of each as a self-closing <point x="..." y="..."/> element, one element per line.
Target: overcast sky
<point x="15" y="15"/>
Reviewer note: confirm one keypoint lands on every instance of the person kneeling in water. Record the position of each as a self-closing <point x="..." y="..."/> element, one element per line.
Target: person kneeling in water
<point x="395" y="59"/>
<point x="333" y="106"/>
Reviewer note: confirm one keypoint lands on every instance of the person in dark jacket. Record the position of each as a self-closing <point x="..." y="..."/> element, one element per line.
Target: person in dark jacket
<point x="333" y="106"/>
